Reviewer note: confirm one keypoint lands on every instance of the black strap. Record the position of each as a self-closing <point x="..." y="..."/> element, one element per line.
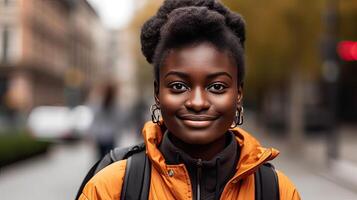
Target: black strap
<point x="146" y="181"/>
<point x="137" y="178"/>
<point x="114" y="155"/>
<point x="266" y="183"/>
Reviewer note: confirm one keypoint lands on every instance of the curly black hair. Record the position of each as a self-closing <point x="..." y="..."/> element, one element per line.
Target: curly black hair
<point x="180" y="23"/>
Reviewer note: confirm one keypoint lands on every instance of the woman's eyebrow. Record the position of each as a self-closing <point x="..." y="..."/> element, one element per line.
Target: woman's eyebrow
<point x="214" y="75"/>
<point x="176" y="73"/>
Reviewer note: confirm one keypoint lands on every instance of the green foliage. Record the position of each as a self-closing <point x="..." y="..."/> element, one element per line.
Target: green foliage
<point x="282" y="36"/>
<point x="17" y="145"/>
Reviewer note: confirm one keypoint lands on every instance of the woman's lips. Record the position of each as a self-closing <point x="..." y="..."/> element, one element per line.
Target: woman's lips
<point x="197" y="121"/>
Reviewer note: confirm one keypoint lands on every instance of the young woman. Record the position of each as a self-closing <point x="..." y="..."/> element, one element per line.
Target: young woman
<point x="196" y="150"/>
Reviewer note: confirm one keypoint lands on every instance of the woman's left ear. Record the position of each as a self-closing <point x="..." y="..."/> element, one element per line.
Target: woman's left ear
<point x="240" y="94"/>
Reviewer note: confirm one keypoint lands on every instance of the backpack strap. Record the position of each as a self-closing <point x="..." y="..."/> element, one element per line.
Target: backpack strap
<point x="137" y="177"/>
<point x="118" y="154"/>
<point x="266" y="183"/>
<point x="113" y="156"/>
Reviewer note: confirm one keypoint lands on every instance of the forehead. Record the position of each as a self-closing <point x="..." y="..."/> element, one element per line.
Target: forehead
<point x="199" y="59"/>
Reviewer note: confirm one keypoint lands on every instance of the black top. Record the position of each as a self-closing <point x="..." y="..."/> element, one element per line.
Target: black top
<point x="212" y="175"/>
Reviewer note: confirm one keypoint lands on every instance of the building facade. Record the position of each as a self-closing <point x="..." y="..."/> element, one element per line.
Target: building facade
<point x="48" y="52"/>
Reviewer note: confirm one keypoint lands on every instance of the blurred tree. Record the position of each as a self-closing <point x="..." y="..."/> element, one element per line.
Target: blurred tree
<point x="282" y="40"/>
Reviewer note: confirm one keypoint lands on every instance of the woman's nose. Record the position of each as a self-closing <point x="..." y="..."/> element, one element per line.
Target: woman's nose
<point x="197" y="100"/>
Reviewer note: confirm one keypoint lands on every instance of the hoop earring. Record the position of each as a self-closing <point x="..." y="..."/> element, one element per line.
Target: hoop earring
<point x="240" y="115"/>
<point x="238" y="118"/>
<point x="155" y="114"/>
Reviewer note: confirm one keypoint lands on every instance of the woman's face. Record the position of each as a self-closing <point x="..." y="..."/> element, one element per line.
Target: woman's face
<point x="198" y="93"/>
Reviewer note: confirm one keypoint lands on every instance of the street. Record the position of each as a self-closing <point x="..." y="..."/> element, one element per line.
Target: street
<point x="56" y="175"/>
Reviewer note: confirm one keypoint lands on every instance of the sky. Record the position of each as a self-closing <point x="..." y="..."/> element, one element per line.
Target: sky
<point x="114" y="13"/>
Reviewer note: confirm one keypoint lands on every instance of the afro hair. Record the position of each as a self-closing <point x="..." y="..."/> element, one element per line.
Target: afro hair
<point x="180" y="23"/>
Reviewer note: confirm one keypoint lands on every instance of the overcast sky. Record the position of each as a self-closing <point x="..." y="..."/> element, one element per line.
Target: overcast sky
<point x="114" y="13"/>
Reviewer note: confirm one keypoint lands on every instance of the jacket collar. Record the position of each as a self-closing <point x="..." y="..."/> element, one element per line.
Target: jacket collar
<point x="215" y="173"/>
<point x="252" y="154"/>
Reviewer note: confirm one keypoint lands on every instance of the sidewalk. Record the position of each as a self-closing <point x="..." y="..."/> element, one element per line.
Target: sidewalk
<point x="56" y="175"/>
<point x="308" y="169"/>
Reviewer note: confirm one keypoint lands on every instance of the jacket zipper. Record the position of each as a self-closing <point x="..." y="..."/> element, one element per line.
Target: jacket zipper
<point x="198" y="179"/>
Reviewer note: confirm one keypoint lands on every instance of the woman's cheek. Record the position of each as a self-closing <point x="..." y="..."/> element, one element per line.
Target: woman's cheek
<point x="224" y="103"/>
<point x="170" y="102"/>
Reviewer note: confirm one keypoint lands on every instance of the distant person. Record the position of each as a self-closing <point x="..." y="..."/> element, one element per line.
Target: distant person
<point x="107" y="120"/>
<point x="138" y="117"/>
<point x="194" y="147"/>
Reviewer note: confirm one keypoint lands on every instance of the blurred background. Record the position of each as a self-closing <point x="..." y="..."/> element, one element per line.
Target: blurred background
<point x="73" y="80"/>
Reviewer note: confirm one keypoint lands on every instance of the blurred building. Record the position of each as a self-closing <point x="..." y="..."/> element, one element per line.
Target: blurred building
<point x="125" y="66"/>
<point x="49" y="52"/>
<point x="88" y="44"/>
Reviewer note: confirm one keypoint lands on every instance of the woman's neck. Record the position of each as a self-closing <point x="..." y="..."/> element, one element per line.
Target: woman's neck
<point x="202" y="151"/>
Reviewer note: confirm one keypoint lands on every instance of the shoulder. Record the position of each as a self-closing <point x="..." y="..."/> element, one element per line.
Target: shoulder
<point x="106" y="184"/>
<point x="287" y="189"/>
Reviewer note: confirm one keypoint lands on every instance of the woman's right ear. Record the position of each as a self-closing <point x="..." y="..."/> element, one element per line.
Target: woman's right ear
<point x="156" y="92"/>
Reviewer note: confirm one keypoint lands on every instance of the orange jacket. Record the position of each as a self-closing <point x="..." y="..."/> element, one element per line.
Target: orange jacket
<point x="107" y="183"/>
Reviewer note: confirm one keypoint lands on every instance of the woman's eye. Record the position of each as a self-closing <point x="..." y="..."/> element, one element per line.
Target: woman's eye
<point x="178" y="87"/>
<point x="217" y="88"/>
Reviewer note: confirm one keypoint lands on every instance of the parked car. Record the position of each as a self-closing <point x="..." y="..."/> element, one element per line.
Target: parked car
<point x="59" y="122"/>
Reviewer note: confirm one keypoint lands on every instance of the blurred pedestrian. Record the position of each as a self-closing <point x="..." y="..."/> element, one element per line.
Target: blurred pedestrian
<point x="107" y="120"/>
<point x="139" y="114"/>
<point x="195" y="149"/>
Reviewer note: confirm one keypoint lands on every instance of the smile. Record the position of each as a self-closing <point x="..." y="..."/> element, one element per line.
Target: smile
<point x="197" y="121"/>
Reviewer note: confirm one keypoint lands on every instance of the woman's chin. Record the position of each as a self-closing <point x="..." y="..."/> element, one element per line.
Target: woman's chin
<point x="198" y="138"/>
